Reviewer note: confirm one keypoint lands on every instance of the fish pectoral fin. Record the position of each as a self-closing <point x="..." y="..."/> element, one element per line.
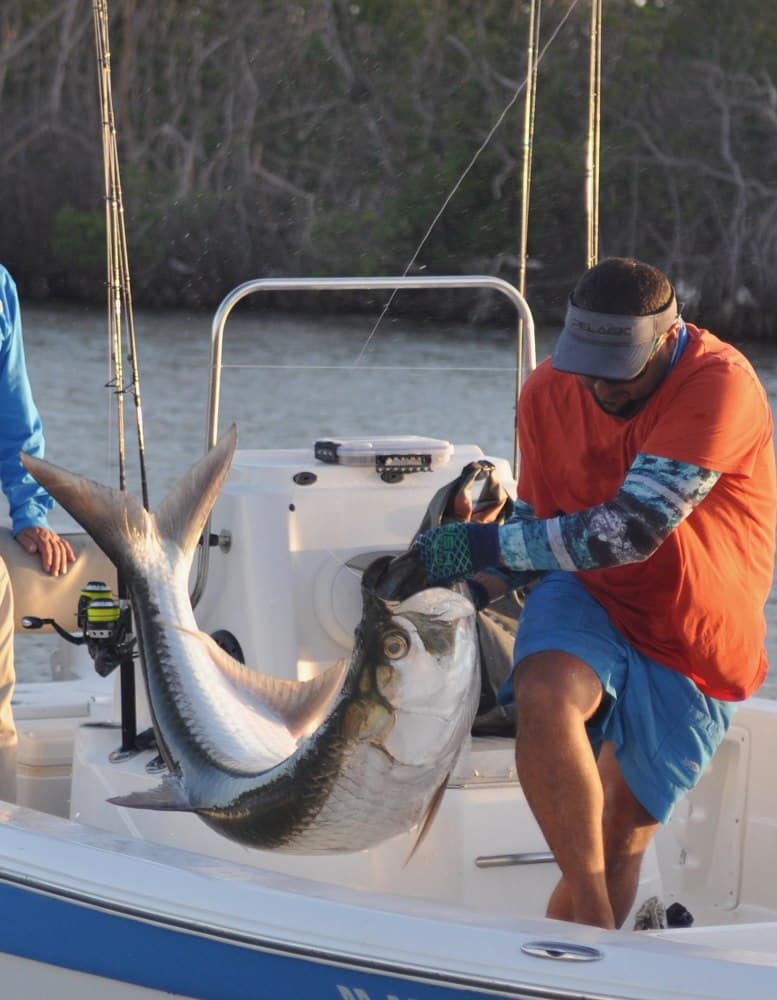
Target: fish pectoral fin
<point x="426" y="823"/>
<point x="169" y="797"/>
<point x="367" y="721"/>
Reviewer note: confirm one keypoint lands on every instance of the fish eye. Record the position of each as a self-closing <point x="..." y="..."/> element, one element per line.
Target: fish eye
<point x="395" y="645"/>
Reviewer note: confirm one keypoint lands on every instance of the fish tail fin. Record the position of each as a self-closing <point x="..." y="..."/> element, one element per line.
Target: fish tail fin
<point x="114" y="517"/>
<point x="110" y="516"/>
<point x="185" y="510"/>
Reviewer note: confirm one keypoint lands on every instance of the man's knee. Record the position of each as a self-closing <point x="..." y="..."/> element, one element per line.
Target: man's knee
<point x="552" y="681"/>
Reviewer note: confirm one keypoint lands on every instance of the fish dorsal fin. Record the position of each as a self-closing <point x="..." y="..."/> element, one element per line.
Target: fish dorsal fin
<point x="301" y="705"/>
<point x="110" y="516"/>
<point x="169" y="796"/>
<point x="184" y="511"/>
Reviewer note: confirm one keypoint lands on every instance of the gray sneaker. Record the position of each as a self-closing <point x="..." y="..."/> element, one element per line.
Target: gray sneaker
<point x="651" y="916"/>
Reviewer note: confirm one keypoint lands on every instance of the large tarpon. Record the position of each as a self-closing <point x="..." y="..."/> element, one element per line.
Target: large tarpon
<point x="338" y="763"/>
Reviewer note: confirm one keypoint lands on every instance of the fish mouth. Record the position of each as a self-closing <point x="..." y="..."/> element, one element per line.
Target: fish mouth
<point x="398" y="585"/>
<point x="395" y="578"/>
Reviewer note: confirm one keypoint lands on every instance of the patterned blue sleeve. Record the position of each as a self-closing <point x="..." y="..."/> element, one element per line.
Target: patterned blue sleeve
<point x="516" y="579"/>
<point x="20" y="423"/>
<point x="656" y="496"/>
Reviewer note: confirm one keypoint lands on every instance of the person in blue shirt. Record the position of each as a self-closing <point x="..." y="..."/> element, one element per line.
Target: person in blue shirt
<point x="29" y="504"/>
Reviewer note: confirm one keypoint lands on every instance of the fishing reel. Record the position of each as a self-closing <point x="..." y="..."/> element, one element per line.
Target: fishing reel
<point x="105" y="624"/>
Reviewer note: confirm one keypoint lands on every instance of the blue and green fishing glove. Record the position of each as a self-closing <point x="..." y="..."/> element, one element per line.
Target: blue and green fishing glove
<point x="458" y="550"/>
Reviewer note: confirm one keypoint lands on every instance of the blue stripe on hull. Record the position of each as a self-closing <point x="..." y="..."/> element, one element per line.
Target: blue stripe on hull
<point x="62" y="932"/>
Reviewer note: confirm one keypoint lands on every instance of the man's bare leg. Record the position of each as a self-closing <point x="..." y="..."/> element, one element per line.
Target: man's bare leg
<point x="628" y="829"/>
<point x="555" y="694"/>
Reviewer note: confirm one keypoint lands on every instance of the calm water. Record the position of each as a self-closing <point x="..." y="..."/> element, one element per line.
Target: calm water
<point x="289" y="403"/>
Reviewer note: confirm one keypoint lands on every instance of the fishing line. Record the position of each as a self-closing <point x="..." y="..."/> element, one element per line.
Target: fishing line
<point x="377" y="368"/>
<point x="460" y="181"/>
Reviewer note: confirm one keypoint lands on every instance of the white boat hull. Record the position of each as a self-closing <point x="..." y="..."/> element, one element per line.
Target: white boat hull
<point x="164" y="919"/>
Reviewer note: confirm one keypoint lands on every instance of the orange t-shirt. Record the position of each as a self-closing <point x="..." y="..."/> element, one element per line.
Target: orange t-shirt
<point x="696" y="605"/>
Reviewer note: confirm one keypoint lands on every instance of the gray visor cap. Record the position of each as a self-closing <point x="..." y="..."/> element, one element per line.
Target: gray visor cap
<point x="608" y="346"/>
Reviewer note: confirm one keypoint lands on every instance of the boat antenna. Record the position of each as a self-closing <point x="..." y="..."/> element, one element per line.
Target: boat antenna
<point x="594" y="127"/>
<point x="121" y="322"/>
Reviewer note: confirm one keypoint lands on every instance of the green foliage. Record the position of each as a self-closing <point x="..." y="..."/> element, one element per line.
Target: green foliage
<point x="279" y="137"/>
<point x="77" y="241"/>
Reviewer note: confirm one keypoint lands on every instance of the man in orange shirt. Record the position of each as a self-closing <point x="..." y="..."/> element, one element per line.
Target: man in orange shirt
<point x="645" y="527"/>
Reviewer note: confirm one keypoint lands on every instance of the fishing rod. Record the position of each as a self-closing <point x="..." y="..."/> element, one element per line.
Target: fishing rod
<point x="105" y="622"/>
<point x="114" y="640"/>
<point x="121" y="322"/>
<point x="537" y="56"/>
<point x="529" y="117"/>
<point x="594" y="132"/>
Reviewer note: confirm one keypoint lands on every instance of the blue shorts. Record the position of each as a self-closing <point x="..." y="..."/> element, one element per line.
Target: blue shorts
<point x="664" y="729"/>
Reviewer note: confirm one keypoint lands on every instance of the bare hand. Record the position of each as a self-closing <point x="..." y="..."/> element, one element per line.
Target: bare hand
<point x="55" y="552"/>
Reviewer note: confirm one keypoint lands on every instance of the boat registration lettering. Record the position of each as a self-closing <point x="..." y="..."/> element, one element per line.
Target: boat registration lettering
<point x="359" y="994"/>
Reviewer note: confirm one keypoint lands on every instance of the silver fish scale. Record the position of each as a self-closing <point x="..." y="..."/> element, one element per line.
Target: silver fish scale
<point x="371" y="801"/>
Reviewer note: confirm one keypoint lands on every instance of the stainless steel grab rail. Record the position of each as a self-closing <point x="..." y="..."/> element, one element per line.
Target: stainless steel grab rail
<point x="562" y="951"/>
<point x="426" y="283"/>
<point x="515" y="860"/>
